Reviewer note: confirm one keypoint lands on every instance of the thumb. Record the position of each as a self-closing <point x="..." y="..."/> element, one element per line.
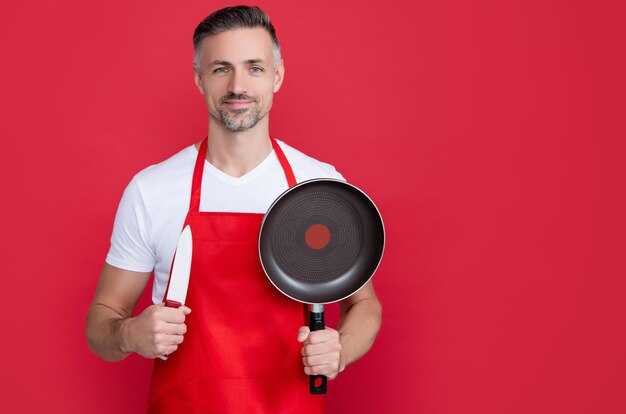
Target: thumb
<point x="303" y="333"/>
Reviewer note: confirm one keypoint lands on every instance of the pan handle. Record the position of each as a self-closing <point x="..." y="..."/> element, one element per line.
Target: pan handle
<point x="316" y="323"/>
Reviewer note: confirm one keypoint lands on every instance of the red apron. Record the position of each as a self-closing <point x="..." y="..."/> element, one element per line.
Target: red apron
<point x="240" y="353"/>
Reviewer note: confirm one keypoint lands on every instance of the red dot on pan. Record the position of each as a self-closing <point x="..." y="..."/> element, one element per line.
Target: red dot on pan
<point x="317" y="236"/>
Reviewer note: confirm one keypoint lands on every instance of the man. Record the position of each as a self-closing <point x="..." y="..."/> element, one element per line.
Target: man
<point x="230" y="361"/>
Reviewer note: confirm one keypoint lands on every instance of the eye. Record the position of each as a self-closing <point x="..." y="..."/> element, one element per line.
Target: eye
<point x="254" y="69"/>
<point x="219" y="70"/>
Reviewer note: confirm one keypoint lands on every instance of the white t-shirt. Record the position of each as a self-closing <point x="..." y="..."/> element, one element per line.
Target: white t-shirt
<point x="153" y="208"/>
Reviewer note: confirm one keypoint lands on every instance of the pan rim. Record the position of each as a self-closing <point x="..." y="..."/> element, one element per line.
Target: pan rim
<point x="289" y="190"/>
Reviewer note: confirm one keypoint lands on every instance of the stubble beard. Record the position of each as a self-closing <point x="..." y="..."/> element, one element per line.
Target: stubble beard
<point x="238" y="120"/>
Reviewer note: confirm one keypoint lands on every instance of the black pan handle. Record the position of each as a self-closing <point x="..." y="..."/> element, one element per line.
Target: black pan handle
<point x="316" y="323"/>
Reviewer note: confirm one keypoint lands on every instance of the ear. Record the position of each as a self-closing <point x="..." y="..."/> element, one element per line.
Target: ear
<point x="279" y="75"/>
<point x="198" y="80"/>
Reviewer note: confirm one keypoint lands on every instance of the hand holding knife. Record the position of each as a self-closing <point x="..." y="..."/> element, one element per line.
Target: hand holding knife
<point x="181" y="268"/>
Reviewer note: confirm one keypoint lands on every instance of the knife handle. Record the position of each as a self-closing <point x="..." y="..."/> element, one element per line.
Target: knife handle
<point x="170" y="304"/>
<point x="317" y="383"/>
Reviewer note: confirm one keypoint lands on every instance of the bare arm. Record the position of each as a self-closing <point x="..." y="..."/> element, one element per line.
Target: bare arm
<point x="113" y="334"/>
<point x="115" y="300"/>
<point x="360" y="321"/>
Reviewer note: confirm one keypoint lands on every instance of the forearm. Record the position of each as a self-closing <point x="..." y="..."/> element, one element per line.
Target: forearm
<point x="357" y="329"/>
<point x="106" y="333"/>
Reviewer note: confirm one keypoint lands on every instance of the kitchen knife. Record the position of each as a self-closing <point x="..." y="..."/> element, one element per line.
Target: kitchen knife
<point x="179" y="281"/>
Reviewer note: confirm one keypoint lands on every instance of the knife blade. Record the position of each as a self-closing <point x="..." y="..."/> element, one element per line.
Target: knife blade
<point x="181" y="268"/>
<point x="177" y="290"/>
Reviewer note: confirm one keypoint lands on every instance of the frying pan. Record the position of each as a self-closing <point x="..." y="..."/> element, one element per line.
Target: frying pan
<point x="320" y="242"/>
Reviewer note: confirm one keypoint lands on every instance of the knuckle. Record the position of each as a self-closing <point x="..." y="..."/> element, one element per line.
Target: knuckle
<point x="157" y="326"/>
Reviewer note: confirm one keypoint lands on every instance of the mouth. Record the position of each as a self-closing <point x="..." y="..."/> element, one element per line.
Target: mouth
<point x="235" y="104"/>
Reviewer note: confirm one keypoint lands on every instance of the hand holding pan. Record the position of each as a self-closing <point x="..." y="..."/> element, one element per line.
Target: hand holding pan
<point x="320" y="242"/>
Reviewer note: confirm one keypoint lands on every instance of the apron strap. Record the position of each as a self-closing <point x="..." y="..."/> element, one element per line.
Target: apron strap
<point x="196" y="182"/>
<point x="291" y="179"/>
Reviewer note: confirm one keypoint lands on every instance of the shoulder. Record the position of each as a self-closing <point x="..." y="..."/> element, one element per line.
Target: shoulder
<point x="161" y="178"/>
<point x="306" y="167"/>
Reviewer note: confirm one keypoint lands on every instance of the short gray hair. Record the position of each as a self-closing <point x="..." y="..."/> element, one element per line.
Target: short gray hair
<point x="230" y="18"/>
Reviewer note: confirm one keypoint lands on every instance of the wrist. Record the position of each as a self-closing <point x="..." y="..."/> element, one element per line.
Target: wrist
<point x="124" y="334"/>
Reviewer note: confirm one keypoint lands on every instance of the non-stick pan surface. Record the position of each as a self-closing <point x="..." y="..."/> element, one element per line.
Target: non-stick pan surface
<point x="321" y="241"/>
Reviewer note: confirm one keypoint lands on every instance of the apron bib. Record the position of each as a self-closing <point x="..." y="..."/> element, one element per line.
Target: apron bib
<point x="240" y="353"/>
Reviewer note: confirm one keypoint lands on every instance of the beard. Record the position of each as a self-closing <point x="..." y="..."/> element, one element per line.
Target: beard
<point x="240" y="119"/>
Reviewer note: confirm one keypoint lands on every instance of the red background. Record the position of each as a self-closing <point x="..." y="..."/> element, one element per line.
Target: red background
<point x="490" y="134"/>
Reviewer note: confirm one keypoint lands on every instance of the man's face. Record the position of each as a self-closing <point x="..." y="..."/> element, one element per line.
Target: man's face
<point x="238" y="77"/>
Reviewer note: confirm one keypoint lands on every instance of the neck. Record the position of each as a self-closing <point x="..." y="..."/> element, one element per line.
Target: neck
<point x="236" y="153"/>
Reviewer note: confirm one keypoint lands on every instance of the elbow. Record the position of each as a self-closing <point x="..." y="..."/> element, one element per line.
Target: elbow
<point x="95" y="336"/>
<point x="378" y="314"/>
<point x="96" y="348"/>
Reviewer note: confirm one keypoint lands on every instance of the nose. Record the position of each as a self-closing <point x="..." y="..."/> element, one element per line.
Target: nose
<point x="237" y="85"/>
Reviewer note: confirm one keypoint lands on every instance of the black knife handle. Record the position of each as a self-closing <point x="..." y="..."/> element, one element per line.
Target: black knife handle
<point x="317" y="382"/>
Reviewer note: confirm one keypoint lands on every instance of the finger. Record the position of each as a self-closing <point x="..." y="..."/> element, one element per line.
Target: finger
<point x="320" y="349"/>
<point x="172" y="315"/>
<point x="303" y="333"/>
<point x="166" y="350"/>
<point x="317" y="360"/>
<point x="171" y="340"/>
<point x="185" y="309"/>
<point x="163" y="339"/>
<point x="327" y="370"/>
<point x="176" y="339"/>
<point x="175" y="328"/>
<point x="324" y="335"/>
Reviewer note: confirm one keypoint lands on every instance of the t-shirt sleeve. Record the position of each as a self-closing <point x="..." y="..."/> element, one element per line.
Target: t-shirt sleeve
<point x="130" y="247"/>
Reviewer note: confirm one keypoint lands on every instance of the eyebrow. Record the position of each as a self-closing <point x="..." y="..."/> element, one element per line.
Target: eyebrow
<point x="227" y="63"/>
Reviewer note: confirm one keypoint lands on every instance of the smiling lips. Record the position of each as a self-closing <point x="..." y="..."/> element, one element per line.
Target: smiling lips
<point x="238" y="103"/>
